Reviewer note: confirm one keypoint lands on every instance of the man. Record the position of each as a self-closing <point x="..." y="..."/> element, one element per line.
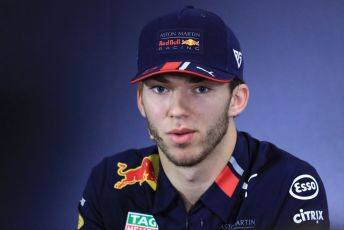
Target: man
<point x="202" y="173"/>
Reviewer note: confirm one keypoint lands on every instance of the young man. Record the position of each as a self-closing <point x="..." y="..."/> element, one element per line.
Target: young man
<point x="202" y="173"/>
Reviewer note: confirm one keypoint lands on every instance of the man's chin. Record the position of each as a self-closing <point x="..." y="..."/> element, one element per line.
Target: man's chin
<point x="183" y="157"/>
<point x="185" y="162"/>
<point x="182" y="147"/>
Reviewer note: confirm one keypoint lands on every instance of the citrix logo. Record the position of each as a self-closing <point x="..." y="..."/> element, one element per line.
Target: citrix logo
<point x="316" y="215"/>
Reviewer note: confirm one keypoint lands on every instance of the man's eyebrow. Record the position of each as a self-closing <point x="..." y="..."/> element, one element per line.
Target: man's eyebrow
<point x="163" y="79"/>
<point x="194" y="79"/>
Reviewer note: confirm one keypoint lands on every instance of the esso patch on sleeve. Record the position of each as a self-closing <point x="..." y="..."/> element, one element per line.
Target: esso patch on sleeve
<point x="304" y="187"/>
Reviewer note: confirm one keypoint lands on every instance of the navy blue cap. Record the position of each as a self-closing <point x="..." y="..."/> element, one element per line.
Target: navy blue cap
<point x="192" y="41"/>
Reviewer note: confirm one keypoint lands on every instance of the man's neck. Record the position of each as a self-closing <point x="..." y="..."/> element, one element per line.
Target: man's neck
<point x="192" y="182"/>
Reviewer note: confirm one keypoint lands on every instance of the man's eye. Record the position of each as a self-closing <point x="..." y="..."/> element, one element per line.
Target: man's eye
<point x="159" y="89"/>
<point x="202" y="89"/>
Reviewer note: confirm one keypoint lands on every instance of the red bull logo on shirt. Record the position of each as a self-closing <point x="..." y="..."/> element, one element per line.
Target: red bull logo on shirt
<point x="147" y="171"/>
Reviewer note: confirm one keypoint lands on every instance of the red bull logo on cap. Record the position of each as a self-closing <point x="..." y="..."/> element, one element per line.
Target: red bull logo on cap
<point x="147" y="171"/>
<point x="190" y="42"/>
<point x="179" y="40"/>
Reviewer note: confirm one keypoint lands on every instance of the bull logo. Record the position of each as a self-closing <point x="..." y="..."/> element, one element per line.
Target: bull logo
<point x="146" y="172"/>
<point x="190" y="42"/>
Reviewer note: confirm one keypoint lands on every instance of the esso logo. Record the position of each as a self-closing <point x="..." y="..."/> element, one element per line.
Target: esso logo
<point x="304" y="187"/>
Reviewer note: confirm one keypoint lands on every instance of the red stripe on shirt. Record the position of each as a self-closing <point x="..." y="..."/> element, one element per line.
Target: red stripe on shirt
<point x="227" y="181"/>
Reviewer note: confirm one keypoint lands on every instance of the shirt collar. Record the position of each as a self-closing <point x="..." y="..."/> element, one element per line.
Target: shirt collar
<point x="223" y="196"/>
<point x="165" y="193"/>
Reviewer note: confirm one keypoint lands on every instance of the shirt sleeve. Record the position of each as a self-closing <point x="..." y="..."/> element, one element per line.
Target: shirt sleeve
<point x="305" y="205"/>
<point x="89" y="206"/>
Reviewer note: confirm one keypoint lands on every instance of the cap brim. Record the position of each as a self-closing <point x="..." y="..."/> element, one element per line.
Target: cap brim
<point x="195" y="69"/>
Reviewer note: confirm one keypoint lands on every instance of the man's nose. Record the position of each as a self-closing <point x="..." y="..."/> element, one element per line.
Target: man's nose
<point x="179" y="105"/>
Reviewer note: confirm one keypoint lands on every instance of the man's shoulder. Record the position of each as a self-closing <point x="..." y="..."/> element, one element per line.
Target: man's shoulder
<point x="121" y="170"/>
<point x="282" y="172"/>
<point x="118" y="184"/>
<point x="267" y="155"/>
<point x="283" y="185"/>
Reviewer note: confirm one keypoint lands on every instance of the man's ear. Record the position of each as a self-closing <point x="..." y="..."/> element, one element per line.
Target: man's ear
<point x="140" y="99"/>
<point x="239" y="100"/>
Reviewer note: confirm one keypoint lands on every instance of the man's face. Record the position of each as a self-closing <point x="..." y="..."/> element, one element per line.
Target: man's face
<point x="187" y="116"/>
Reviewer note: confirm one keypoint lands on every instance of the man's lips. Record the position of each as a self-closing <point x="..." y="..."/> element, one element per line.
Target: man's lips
<point x="181" y="136"/>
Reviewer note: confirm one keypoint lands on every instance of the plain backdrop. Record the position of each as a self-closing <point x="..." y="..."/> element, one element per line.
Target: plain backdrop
<point x="66" y="101"/>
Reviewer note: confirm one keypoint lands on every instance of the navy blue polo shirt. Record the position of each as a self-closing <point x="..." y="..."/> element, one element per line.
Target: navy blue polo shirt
<point x="261" y="187"/>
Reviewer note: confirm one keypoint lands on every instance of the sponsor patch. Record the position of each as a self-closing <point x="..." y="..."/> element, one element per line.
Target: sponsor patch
<point x="81" y="222"/>
<point x="139" y="221"/>
<point x="179" y="40"/>
<point x="304" y="187"/>
<point x="313" y="215"/>
<point x="147" y="171"/>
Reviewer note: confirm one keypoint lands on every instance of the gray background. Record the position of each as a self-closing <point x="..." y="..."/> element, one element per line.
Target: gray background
<point x="66" y="101"/>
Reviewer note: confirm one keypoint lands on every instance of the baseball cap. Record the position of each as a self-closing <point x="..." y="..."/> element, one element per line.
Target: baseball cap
<point x="192" y="41"/>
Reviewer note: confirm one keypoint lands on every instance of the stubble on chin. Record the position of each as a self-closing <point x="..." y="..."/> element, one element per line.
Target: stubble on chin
<point x="214" y="136"/>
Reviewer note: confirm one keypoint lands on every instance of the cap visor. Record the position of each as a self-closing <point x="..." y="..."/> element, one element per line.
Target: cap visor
<point x="188" y="68"/>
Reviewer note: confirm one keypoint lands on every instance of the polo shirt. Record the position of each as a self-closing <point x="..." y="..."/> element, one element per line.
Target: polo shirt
<point x="261" y="187"/>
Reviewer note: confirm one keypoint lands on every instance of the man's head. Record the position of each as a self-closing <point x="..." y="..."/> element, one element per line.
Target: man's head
<point x="189" y="117"/>
<point x="191" y="84"/>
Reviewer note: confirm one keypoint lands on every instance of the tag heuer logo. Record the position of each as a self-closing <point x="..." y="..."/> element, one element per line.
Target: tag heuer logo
<point x="138" y="221"/>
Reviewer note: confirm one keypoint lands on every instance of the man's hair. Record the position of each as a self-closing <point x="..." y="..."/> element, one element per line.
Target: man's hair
<point x="234" y="83"/>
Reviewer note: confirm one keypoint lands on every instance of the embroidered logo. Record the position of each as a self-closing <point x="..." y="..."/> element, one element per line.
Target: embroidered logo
<point x="179" y="40"/>
<point x="139" y="221"/>
<point x="190" y="42"/>
<point x="304" y="187"/>
<point x="238" y="57"/>
<point x="313" y="215"/>
<point x="146" y="172"/>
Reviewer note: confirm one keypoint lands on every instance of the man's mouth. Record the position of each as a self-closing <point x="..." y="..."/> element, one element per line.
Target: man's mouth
<point x="181" y="136"/>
